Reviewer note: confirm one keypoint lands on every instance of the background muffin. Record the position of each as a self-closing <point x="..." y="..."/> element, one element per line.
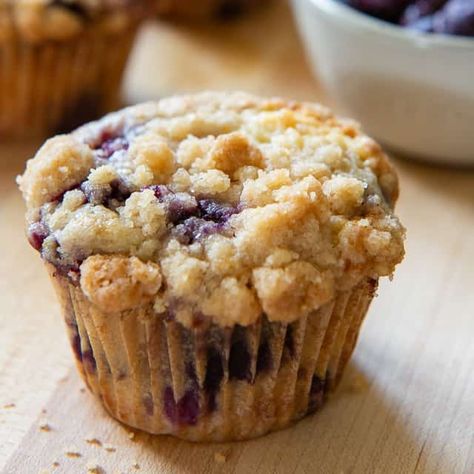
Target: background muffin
<point x="215" y="256"/>
<point x="62" y="61"/>
<point x="205" y="8"/>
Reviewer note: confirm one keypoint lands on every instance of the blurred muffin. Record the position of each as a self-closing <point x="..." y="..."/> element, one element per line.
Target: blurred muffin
<point x="201" y="9"/>
<point x="62" y="61"/>
<point x="214" y="256"/>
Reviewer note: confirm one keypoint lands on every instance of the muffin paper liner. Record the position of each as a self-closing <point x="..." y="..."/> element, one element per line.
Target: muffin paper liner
<point x="211" y="383"/>
<point x="55" y="86"/>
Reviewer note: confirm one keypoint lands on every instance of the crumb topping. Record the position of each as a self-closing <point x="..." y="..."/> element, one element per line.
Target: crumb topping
<point x="217" y="205"/>
<point x="119" y="283"/>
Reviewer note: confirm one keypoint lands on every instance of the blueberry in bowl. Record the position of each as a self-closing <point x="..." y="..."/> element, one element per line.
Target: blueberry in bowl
<point x="403" y="68"/>
<point x="452" y="17"/>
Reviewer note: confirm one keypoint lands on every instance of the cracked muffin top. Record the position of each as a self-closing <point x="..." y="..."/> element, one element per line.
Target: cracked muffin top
<point x="215" y="207"/>
<point x="57" y="20"/>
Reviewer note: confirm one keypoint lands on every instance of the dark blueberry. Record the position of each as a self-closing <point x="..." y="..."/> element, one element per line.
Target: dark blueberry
<point x="160" y="191"/>
<point x="423" y="25"/>
<point x="120" y="191"/>
<point x="215" y="212"/>
<point x="180" y="207"/>
<point x="186" y="411"/>
<point x="214" y="376"/>
<point x="289" y="341"/>
<point x="389" y="10"/>
<point x="87" y="356"/>
<point x="239" y="357"/>
<point x="170" y="405"/>
<point x="110" y="146"/>
<point x="456" y="18"/>
<point x="88" y="360"/>
<point x="420" y="9"/>
<point x="264" y="358"/>
<point x="96" y="194"/>
<point x="316" y="394"/>
<point x="188" y="407"/>
<point x="109" y="195"/>
<point x="193" y="229"/>
<point x="76" y="346"/>
<point x="37" y="233"/>
<point x="148" y="404"/>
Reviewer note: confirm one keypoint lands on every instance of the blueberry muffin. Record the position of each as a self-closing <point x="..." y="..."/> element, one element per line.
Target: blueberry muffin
<point x="214" y="256"/>
<point x="62" y="61"/>
<point x="201" y="9"/>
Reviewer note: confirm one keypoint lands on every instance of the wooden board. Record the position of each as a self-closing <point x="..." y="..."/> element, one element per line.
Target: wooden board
<point x="407" y="401"/>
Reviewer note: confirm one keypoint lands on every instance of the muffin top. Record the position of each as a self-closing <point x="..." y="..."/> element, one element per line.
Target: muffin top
<point x="215" y="207"/>
<point x="57" y="20"/>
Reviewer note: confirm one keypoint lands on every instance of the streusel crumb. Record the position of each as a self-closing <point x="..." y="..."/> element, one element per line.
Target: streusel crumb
<point x="119" y="283"/>
<point x="219" y="205"/>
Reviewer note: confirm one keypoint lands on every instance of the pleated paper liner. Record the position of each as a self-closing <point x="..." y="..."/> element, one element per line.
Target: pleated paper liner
<point x="55" y="86"/>
<point x="216" y="384"/>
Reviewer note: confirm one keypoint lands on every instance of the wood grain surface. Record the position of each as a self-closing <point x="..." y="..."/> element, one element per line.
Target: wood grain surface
<point x="406" y="403"/>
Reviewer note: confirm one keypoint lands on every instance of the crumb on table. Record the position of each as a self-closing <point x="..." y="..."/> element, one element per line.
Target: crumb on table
<point x="93" y="440"/>
<point x="220" y="458"/>
<point x="94" y="468"/>
<point x="45" y="426"/>
<point x="73" y="453"/>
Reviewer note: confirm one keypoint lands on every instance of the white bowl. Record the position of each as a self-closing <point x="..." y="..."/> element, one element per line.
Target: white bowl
<point x="413" y="92"/>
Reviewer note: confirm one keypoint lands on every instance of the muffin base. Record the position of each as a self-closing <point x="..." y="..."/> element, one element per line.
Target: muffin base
<point x="208" y="383"/>
<point x="55" y="86"/>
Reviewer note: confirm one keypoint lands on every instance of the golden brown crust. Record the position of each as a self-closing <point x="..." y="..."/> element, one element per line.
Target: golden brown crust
<point x="61" y="163"/>
<point x="119" y="283"/>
